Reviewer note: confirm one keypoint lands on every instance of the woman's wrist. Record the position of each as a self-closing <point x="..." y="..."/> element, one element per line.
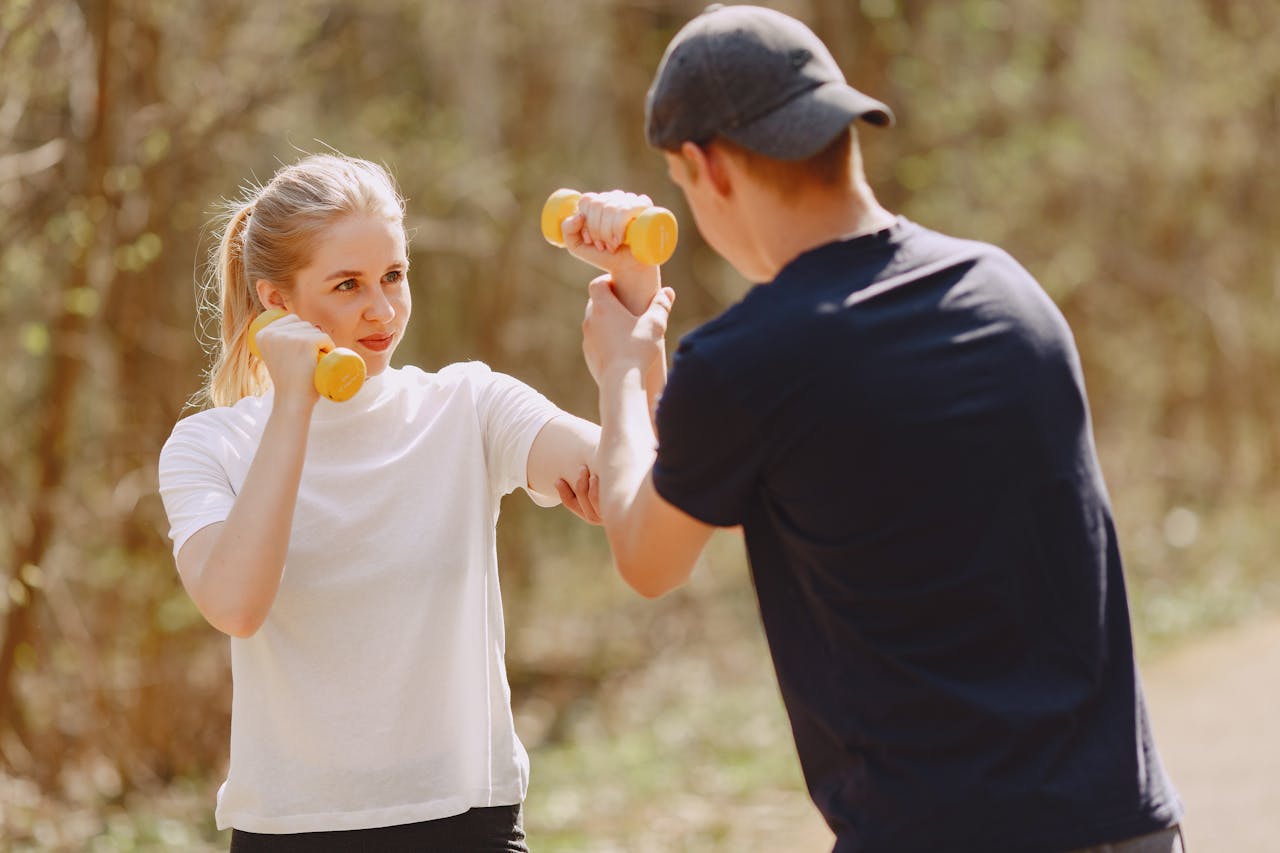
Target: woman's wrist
<point x="293" y="408"/>
<point x="636" y="286"/>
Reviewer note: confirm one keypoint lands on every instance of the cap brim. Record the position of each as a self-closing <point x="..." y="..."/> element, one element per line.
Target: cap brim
<point x="807" y="124"/>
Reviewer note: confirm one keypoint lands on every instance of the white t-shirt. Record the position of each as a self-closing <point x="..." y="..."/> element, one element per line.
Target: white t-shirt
<point x="375" y="693"/>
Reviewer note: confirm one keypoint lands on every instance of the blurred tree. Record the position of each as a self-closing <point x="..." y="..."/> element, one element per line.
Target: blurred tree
<point x="1122" y="152"/>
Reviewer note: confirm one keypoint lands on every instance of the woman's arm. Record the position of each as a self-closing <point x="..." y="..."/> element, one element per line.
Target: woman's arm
<point x="560" y="461"/>
<point x="564" y="453"/>
<point x="232" y="569"/>
<point x="595" y="234"/>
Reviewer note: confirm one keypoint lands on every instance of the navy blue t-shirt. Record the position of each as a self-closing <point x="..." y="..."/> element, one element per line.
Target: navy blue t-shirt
<point x="899" y="423"/>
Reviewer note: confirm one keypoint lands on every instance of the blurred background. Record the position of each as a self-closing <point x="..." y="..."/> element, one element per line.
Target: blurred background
<point x="1125" y="152"/>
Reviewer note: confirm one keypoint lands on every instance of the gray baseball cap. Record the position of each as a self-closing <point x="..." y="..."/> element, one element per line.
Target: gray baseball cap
<point x="758" y="77"/>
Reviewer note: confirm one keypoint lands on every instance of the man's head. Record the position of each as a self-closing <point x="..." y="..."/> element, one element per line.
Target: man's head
<point x="757" y="78"/>
<point x="756" y="122"/>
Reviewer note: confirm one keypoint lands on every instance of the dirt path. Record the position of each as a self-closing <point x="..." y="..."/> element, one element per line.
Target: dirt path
<point x="1215" y="706"/>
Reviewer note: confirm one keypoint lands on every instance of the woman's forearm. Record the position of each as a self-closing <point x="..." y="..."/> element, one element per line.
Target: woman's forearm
<point x="236" y="583"/>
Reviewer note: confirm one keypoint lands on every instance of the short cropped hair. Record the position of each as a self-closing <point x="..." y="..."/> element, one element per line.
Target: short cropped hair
<point x="834" y="166"/>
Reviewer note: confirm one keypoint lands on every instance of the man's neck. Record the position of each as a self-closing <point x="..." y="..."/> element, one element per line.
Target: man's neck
<point x="783" y="232"/>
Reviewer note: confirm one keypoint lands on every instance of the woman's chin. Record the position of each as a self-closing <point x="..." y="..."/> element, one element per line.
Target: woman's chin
<point x="374" y="362"/>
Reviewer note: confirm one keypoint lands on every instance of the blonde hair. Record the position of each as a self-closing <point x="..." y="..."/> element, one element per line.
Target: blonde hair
<point x="271" y="233"/>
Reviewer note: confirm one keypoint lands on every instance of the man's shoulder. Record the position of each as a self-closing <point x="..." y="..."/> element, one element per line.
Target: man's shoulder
<point x="925" y="245"/>
<point x="765" y="309"/>
<point x="918" y="245"/>
<point x="721" y="330"/>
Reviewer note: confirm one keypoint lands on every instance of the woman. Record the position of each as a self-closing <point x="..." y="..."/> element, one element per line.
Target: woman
<point x="348" y="548"/>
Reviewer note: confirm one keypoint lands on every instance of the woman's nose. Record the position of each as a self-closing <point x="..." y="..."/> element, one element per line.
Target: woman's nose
<point x="379" y="308"/>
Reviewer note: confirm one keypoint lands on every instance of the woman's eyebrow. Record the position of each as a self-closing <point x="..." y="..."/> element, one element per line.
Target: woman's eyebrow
<point x="344" y="274"/>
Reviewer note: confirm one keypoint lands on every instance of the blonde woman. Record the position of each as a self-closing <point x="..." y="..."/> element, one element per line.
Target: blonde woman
<point x="348" y="548"/>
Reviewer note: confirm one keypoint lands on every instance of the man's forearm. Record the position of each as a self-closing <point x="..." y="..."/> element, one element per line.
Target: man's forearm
<point x="654" y="544"/>
<point x="654" y="551"/>
<point x="626" y="451"/>
<point x="636" y="289"/>
<point x="654" y="381"/>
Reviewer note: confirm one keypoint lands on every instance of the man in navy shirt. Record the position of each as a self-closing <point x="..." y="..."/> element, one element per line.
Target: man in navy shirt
<point x="897" y="420"/>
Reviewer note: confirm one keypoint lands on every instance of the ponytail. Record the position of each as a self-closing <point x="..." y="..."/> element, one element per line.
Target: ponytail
<point x="235" y="373"/>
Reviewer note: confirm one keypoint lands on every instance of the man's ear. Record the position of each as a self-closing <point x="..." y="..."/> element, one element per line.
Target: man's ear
<point x="692" y="160"/>
<point x="270" y="296"/>
<point x="714" y="163"/>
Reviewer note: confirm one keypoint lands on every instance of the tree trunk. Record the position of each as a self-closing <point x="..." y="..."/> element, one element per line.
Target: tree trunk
<point x="69" y="349"/>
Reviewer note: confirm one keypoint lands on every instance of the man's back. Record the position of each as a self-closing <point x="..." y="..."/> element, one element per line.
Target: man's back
<point x="899" y="423"/>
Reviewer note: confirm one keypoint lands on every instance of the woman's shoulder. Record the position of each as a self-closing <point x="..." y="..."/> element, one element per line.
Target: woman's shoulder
<point x="212" y="437"/>
<point x="481" y="379"/>
<point x="465" y="371"/>
<point x="414" y="386"/>
<point x="244" y="417"/>
<point x="452" y="378"/>
<point x="474" y="382"/>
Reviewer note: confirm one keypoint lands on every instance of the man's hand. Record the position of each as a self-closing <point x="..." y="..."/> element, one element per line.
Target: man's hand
<point x="615" y="339"/>
<point x="654" y="545"/>
<point x="582" y="498"/>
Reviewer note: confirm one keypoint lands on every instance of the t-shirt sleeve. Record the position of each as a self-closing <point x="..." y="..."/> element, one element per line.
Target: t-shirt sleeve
<point x="511" y="415"/>
<point x="709" y="450"/>
<point x="194" y="485"/>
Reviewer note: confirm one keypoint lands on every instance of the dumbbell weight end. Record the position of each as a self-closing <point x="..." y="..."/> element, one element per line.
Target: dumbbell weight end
<point x="652" y="235"/>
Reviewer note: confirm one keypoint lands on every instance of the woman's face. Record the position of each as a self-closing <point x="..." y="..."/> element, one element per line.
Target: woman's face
<point x="356" y="288"/>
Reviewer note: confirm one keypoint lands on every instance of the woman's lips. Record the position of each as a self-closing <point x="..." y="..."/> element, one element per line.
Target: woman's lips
<point x="377" y="343"/>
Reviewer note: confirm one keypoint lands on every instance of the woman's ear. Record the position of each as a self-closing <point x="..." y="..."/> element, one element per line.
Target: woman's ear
<point x="270" y="296"/>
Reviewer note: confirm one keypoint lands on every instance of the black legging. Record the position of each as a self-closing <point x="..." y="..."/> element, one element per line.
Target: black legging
<point x="497" y="829"/>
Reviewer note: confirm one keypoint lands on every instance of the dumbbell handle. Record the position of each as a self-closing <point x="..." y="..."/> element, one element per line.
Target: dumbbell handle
<point x="340" y="372"/>
<point x="651" y="234"/>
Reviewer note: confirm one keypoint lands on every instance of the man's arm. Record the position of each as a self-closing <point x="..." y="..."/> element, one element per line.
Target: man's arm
<point x="655" y="545"/>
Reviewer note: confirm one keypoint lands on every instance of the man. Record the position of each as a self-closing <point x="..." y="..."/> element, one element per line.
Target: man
<point x="898" y="422"/>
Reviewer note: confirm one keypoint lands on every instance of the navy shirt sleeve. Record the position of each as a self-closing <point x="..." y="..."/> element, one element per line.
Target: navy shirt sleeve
<point x="709" y="451"/>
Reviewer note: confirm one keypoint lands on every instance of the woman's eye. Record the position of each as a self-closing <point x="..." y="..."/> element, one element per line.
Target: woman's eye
<point x="393" y="276"/>
<point x="349" y="284"/>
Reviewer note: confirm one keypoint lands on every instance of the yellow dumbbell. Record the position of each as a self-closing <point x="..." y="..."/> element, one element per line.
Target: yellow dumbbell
<point x="651" y="235"/>
<point x="339" y="371"/>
